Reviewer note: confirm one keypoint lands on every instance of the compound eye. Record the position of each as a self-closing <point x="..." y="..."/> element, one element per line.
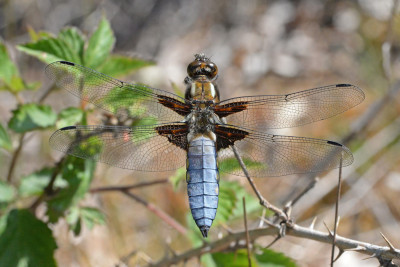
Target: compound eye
<point x="193" y="68"/>
<point x="211" y="70"/>
<point x="197" y="67"/>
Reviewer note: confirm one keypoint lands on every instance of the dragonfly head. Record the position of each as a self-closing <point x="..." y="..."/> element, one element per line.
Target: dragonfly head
<point x="202" y="66"/>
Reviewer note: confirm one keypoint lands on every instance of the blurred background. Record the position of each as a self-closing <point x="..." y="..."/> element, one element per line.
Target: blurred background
<point x="260" y="47"/>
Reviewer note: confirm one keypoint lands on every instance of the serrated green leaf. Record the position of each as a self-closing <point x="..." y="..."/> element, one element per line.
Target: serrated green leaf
<point x="116" y="66"/>
<point x="73" y="220"/>
<point x="9" y="74"/>
<point x="69" y="116"/>
<point x="7" y="67"/>
<point x="35" y="36"/>
<point x="17" y="84"/>
<point x="34" y="184"/>
<point x="88" y="215"/>
<point x="252" y="203"/>
<point x="49" y="50"/>
<point x="7" y="192"/>
<point x="29" y="117"/>
<point x="5" y="140"/>
<point x="233" y="259"/>
<point x="78" y="173"/>
<point x="270" y="258"/>
<point x="75" y="41"/>
<point x="100" y="45"/>
<point x="92" y="216"/>
<point x="26" y="241"/>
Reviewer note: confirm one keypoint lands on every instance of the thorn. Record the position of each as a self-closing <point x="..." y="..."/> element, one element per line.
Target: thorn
<point x="288" y="211"/>
<point x="370" y="257"/>
<point x="337" y="223"/>
<point x="269" y="223"/>
<point x="273" y="242"/>
<point x="329" y="230"/>
<point x="261" y="224"/>
<point x="392" y="248"/>
<point x="341" y="251"/>
<point x="358" y="248"/>
<point x="288" y="205"/>
<point x="313" y="223"/>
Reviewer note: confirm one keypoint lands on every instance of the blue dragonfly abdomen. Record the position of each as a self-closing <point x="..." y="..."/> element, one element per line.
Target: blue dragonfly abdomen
<point x="202" y="177"/>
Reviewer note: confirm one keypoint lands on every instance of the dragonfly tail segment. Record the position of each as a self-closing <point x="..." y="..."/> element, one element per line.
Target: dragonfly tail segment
<point x="203" y="182"/>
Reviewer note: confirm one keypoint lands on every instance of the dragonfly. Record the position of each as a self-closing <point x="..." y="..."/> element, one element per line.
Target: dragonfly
<point x="200" y="131"/>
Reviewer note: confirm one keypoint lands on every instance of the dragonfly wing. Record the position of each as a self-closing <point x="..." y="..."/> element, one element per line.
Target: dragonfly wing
<point x="276" y="155"/>
<point x="282" y="111"/>
<point x="143" y="148"/>
<point x="117" y="96"/>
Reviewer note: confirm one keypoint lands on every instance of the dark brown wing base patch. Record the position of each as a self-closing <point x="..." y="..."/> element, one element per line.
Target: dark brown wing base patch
<point x="230" y="108"/>
<point x="227" y="135"/>
<point x="177" y="106"/>
<point x="176" y="134"/>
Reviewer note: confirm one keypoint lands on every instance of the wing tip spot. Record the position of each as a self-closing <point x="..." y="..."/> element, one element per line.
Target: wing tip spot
<point x="343" y="85"/>
<point x="334" y="143"/>
<point x="68" y="128"/>
<point x="67" y="63"/>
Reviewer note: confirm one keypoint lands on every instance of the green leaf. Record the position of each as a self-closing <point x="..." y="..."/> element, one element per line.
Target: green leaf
<point x="7" y="192"/>
<point x="264" y="258"/>
<point x="78" y="173"/>
<point x="233" y="259"/>
<point x="29" y="117"/>
<point x="116" y="66"/>
<point x="100" y="45"/>
<point x="9" y="74"/>
<point x="88" y="215"/>
<point x="92" y="216"/>
<point x="26" y="241"/>
<point x="35" y="36"/>
<point x="5" y="140"/>
<point x="74" y="221"/>
<point x="270" y="258"/>
<point x="229" y="165"/>
<point x="226" y="203"/>
<point x="69" y="116"/>
<point x="35" y="183"/>
<point x="51" y="49"/>
<point x="252" y="203"/>
<point x="74" y="39"/>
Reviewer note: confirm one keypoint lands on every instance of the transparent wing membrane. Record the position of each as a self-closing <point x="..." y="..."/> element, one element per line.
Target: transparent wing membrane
<point x="137" y="148"/>
<point x="283" y="111"/>
<point x="276" y="155"/>
<point x="162" y="147"/>
<point x="114" y="95"/>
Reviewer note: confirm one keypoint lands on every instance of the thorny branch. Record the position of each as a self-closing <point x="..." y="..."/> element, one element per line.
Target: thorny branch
<point x="237" y="240"/>
<point x="279" y="212"/>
